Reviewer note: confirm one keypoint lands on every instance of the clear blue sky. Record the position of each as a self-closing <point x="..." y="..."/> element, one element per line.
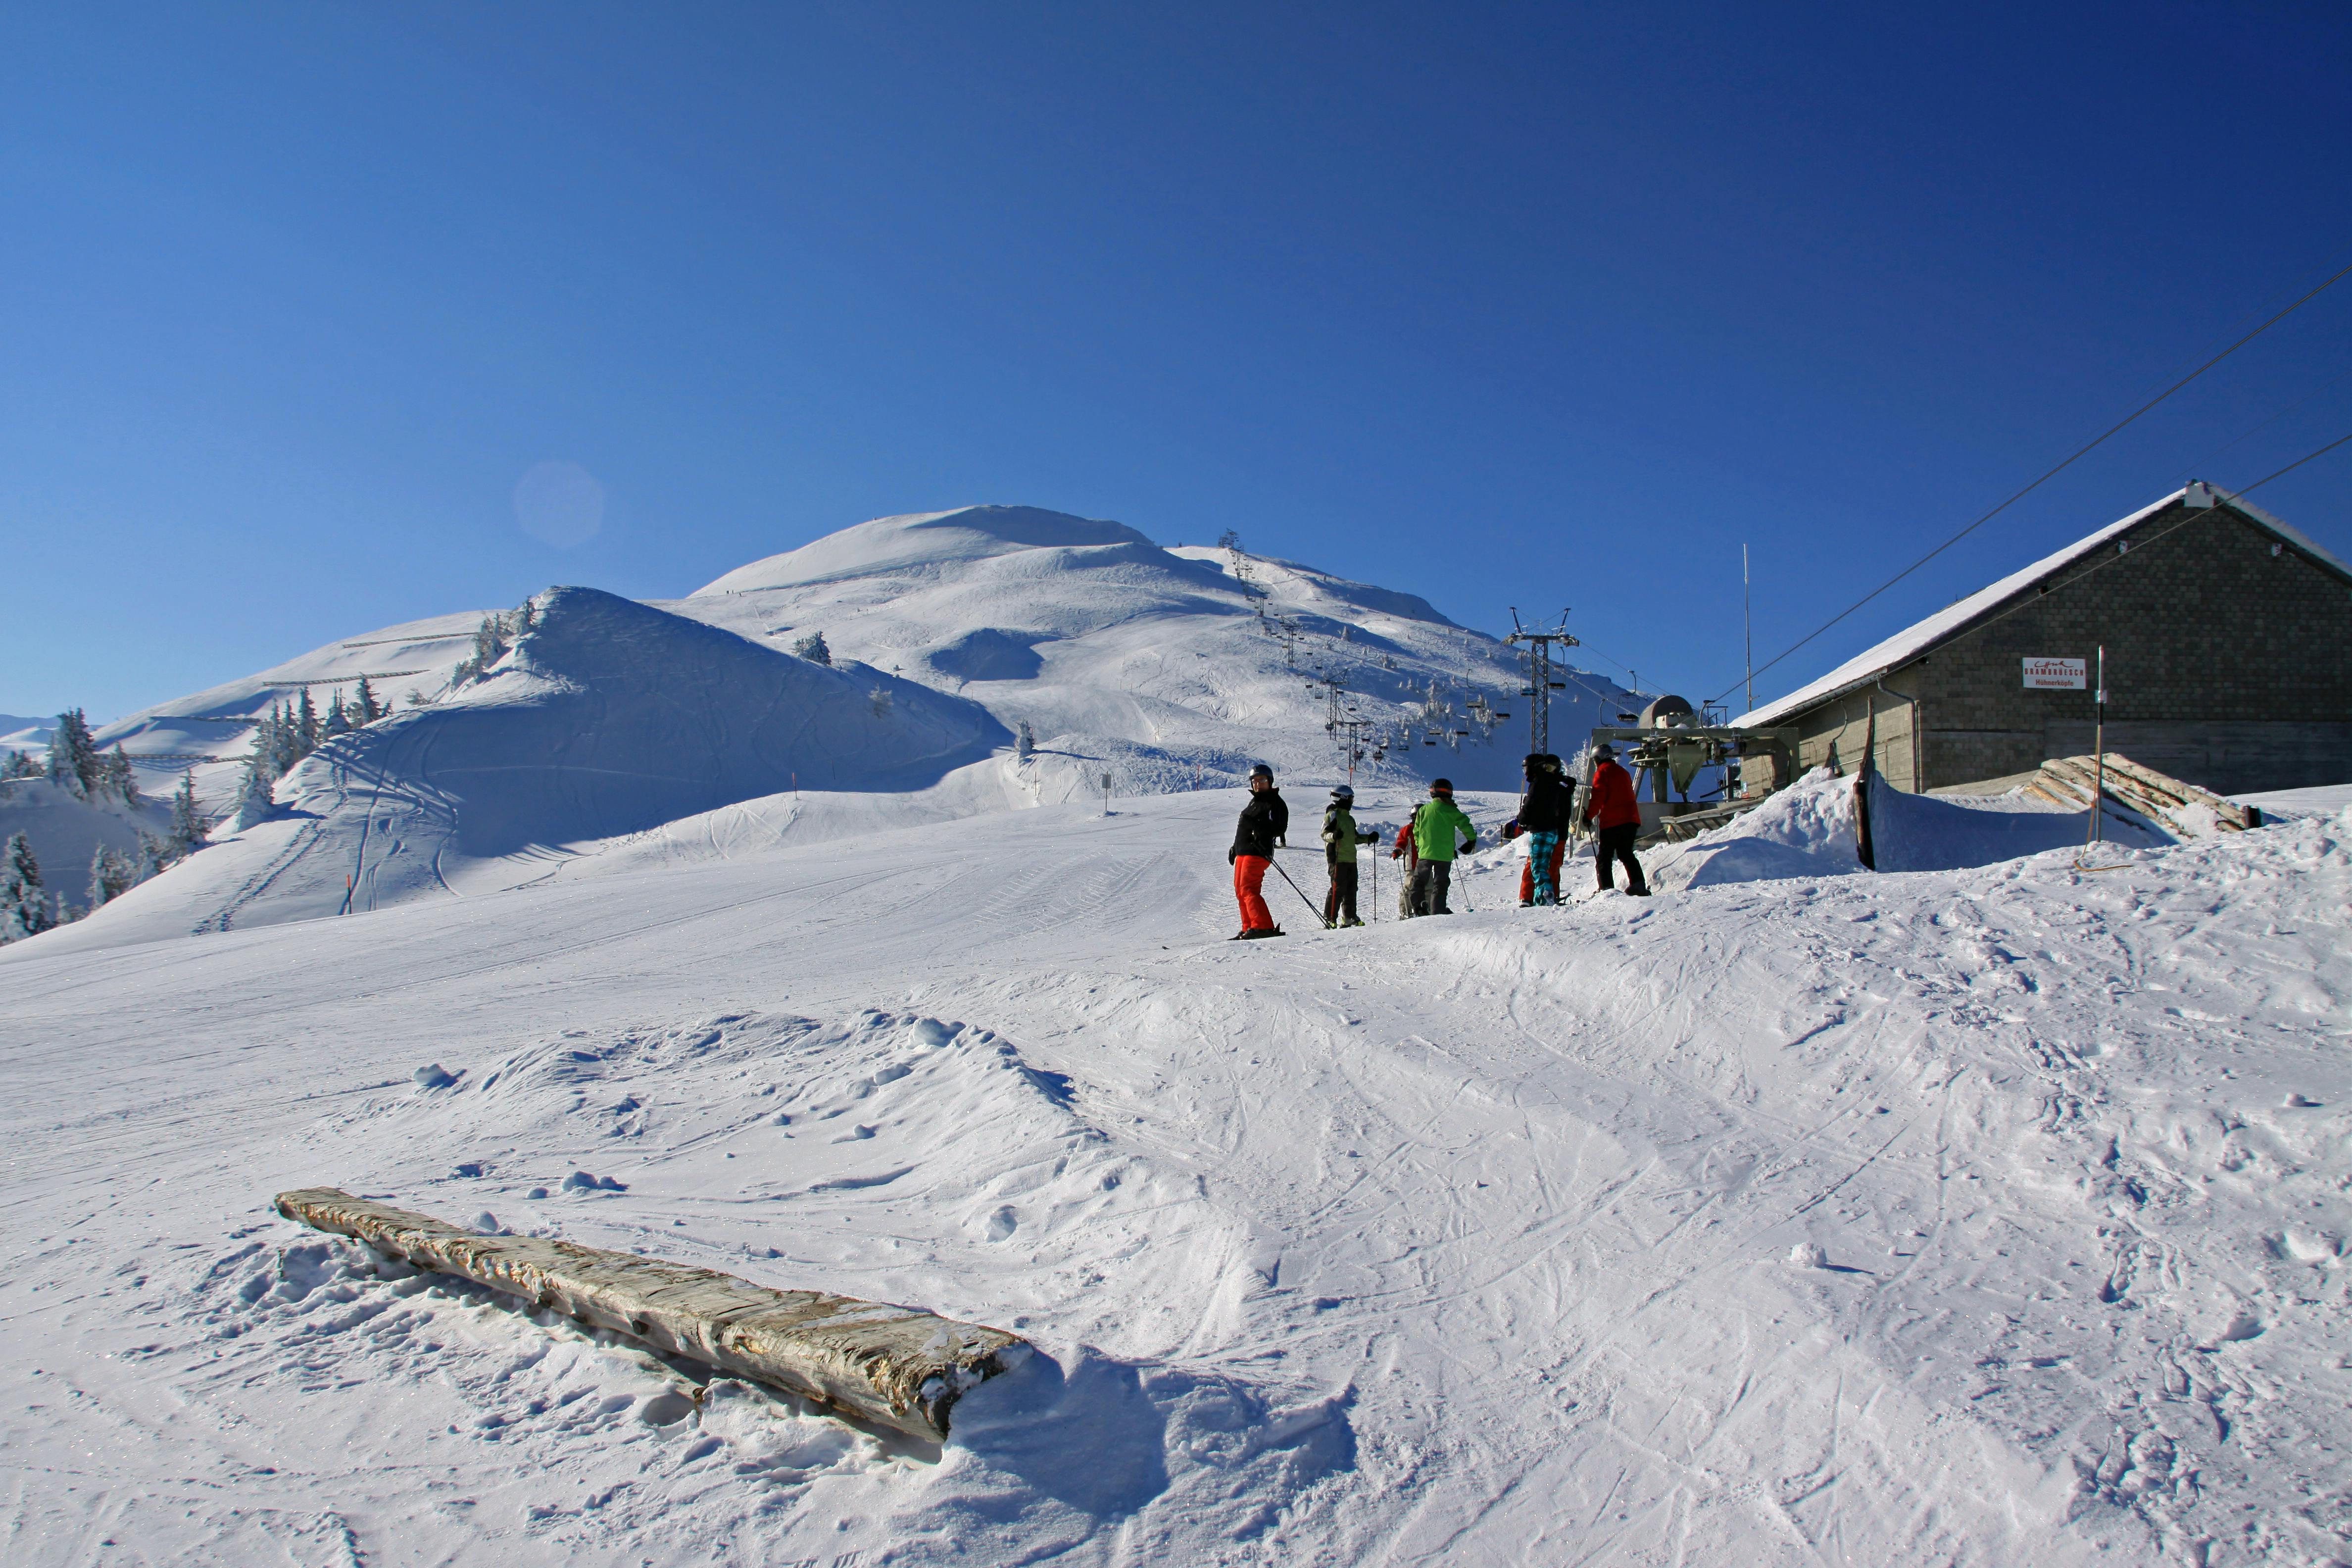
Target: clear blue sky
<point x="1546" y="304"/>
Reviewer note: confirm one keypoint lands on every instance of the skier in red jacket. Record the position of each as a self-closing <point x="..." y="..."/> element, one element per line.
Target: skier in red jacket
<point x="1616" y="821"/>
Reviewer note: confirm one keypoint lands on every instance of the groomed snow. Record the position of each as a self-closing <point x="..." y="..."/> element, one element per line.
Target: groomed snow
<point x="1982" y="1216"/>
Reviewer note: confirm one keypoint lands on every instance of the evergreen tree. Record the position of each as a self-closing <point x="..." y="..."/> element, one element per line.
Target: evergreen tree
<point x="491" y="643"/>
<point x="255" y="799"/>
<point x="20" y="765"/>
<point x="1024" y="741"/>
<point x="812" y="648"/>
<point x="366" y="702"/>
<point x="24" y="906"/>
<point x="338" y="721"/>
<point x="286" y="748"/>
<point x="111" y="874"/>
<point x="152" y="855"/>
<point x="880" y="700"/>
<point x="526" y="617"/>
<point x="306" y="723"/>
<point x="115" y="777"/>
<point x="188" y="824"/>
<point x="73" y="755"/>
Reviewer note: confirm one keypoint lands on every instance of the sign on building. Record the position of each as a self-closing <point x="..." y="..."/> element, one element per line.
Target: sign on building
<point x="2057" y="675"/>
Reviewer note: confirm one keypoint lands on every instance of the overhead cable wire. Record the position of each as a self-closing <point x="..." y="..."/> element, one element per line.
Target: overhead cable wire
<point x="2078" y="454"/>
<point x="2329" y="385"/>
<point x="2158" y="536"/>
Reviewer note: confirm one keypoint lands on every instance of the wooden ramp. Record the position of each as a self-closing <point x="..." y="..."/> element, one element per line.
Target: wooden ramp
<point x="894" y="1365"/>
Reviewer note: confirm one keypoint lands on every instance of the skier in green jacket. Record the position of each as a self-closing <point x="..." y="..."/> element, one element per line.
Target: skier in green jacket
<point x="1436" y="822"/>
<point x="1340" y="837"/>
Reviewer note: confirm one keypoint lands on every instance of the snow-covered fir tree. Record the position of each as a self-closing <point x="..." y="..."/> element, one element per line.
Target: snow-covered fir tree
<point x="19" y="766"/>
<point x="338" y="720"/>
<point x="73" y="755"/>
<point x="365" y="709"/>
<point x="1024" y="741"/>
<point x="880" y="700"/>
<point x="306" y="723"/>
<point x="255" y="798"/>
<point x="115" y="777"/>
<point x="189" y="825"/>
<point x="811" y="648"/>
<point x="24" y="904"/>
<point x="113" y="873"/>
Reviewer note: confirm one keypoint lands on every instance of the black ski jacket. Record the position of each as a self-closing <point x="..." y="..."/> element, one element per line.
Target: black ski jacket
<point x="1545" y="807"/>
<point x="1265" y="819"/>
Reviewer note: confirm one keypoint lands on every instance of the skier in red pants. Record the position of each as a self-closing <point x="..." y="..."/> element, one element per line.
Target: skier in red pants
<point x="1265" y="821"/>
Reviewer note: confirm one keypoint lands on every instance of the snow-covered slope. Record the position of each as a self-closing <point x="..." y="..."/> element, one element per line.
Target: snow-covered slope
<point x="608" y="718"/>
<point x="66" y="831"/>
<point x="1980" y="1217"/>
<point x="630" y="734"/>
<point x="1144" y="662"/>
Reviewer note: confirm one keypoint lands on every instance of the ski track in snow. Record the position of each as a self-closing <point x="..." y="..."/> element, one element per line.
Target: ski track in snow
<point x="1462" y="1240"/>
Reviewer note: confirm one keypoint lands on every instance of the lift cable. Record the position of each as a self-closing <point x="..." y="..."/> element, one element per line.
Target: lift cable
<point x="2078" y="454"/>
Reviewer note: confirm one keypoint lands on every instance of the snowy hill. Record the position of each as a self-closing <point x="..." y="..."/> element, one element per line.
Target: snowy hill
<point x="1146" y="662"/>
<point x="621" y="735"/>
<point x="607" y="719"/>
<point x="1968" y="1218"/>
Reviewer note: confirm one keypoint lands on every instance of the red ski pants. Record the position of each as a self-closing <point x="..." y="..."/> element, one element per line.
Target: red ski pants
<point x="1249" y="876"/>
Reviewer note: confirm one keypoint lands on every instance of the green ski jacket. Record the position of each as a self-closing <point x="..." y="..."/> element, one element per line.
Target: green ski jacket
<point x="1434" y="822"/>
<point x="1341" y="835"/>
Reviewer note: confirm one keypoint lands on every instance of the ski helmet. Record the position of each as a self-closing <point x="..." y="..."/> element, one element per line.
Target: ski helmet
<point x="1343" y="793"/>
<point x="1262" y="771"/>
<point x="1535" y="764"/>
<point x="1440" y="786"/>
<point x="1604" y="752"/>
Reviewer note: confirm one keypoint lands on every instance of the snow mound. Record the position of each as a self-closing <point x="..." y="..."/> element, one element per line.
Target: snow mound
<point x="1805" y="830"/>
<point x="1810" y="830"/>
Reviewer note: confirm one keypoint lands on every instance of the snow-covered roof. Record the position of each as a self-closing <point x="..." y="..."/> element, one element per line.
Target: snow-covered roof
<point x="1915" y="640"/>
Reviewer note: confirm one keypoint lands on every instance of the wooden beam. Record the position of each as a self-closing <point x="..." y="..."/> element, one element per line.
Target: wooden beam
<point x="894" y="1365"/>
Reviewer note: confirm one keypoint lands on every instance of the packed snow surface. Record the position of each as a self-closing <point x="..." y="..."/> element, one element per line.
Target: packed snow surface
<point x="1985" y="1217"/>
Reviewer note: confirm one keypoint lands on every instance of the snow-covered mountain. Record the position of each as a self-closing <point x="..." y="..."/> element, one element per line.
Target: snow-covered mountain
<point x="614" y="734"/>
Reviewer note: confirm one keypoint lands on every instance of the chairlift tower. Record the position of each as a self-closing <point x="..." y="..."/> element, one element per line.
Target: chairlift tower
<point x="1541" y="685"/>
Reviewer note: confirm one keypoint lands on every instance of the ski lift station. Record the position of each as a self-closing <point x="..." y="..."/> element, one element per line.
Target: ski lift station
<point x="2228" y="653"/>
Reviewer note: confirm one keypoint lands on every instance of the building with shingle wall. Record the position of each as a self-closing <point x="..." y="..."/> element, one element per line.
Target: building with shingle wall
<point x="2229" y="662"/>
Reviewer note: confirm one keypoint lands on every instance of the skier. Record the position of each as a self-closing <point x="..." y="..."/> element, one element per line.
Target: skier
<point x="1543" y="818"/>
<point x="1435" y="823"/>
<point x="1266" y="821"/>
<point x="1615" y="819"/>
<point x="1409" y="851"/>
<point x="1340" y="837"/>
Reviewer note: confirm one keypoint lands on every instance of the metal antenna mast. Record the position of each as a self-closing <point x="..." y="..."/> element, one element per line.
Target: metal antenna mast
<point x="1541" y="685"/>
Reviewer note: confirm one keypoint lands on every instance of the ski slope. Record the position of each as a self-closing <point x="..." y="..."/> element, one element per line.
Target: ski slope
<point x="1992" y="1216"/>
<point x="615" y="733"/>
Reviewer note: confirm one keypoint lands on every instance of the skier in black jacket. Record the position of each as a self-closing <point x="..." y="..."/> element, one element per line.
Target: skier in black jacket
<point x="1543" y="816"/>
<point x="1266" y="821"/>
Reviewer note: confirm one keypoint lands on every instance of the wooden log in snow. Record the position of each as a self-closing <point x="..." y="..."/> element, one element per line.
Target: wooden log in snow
<point x="894" y="1365"/>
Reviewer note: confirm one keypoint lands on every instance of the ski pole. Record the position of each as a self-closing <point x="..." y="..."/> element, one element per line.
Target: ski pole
<point x="1300" y="891"/>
